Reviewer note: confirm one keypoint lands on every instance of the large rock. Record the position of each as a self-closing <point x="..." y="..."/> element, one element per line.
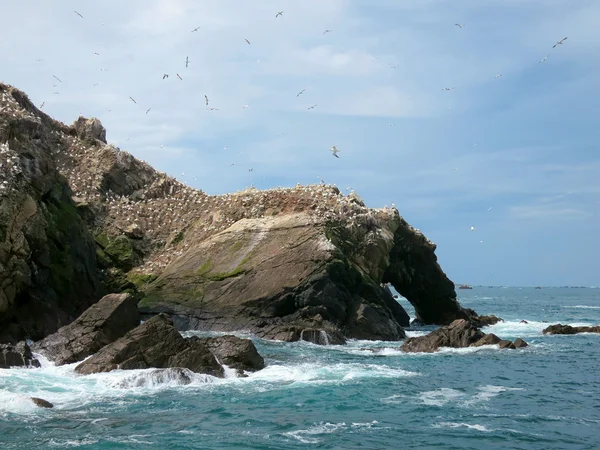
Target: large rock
<point x="102" y="323"/>
<point x="568" y="329"/>
<point x="90" y="129"/>
<point x="460" y="333"/>
<point x="47" y="256"/>
<point x="237" y="353"/>
<point x="156" y="343"/>
<point x="18" y="355"/>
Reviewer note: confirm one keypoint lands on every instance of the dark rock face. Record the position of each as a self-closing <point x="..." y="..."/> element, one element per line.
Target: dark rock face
<point x="484" y="321"/>
<point x="239" y="354"/>
<point x="18" y="355"/>
<point x="44" y="244"/>
<point x="460" y="333"/>
<point x="156" y="343"/>
<point x="41" y="402"/>
<point x="102" y="323"/>
<point x="416" y="275"/>
<point x="568" y="329"/>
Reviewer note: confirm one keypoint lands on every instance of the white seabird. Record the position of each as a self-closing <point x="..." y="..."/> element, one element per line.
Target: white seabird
<point x="334" y="151"/>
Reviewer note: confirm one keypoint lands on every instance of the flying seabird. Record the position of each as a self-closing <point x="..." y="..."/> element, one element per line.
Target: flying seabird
<point x="559" y="42"/>
<point x="280" y="13"/>
<point x="148" y="110"/>
<point x="57" y="78"/>
<point x="166" y="75"/>
<point x="300" y="93"/>
<point x="187" y="61"/>
<point x="96" y="53"/>
<point x="334" y="151"/>
<point x="42" y="105"/>
<point x="472" y="228"/>
<point x="245" y="106"/>
<point x="133" y="100"/>
<point x="179" y="76"/>
<point x="447" y="89"/>
<point x="312" y="107"/>
<point x="195" y="29"/>
<point x="212" y="109"/>
<point x="78" y="14"/>
<point x="326" y="31"/>
<point x="498" y="75"/>
<point x="206" y="99"/>
<point x="543" y="59"/>
<point x="459" y="25"/>
<point x="247" y="41"/>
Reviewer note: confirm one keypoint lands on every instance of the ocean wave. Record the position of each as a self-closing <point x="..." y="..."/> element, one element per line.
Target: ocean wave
<point x="476" y="426"/>
<point x="309" y="435"/>
<point x="581" y="306"/>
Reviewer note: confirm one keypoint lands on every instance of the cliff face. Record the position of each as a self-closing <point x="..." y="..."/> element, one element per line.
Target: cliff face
<point x="283" y="263"/>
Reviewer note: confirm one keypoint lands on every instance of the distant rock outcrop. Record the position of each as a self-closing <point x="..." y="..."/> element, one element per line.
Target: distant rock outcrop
<point x="297" y="263"/>
<point x="102" y="323"/>
<point x="156" y="343"/>
<point x="568" y="329"/>
<point x="459" y="334"/>
<point x="41" y="402"/>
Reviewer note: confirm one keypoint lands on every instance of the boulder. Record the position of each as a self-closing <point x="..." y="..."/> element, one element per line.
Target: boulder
<point x="460" y="333"/>
<point x="41" y="402"/>
<point x="568" y="329"/>
<point x="506" y="344"/>
<point x="102" y="323"/>
<point x="234" y="352"/>
<point x="484" y="321"/>
<point x="156" y="343"/>
<point x="90" y="129"/>
<point x="18" y="355"/>
<point x="520" y="343"/>
<point x="488" y="339"/>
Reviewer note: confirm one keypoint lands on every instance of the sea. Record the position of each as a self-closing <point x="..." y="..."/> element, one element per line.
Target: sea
<point x="364" y="395"/>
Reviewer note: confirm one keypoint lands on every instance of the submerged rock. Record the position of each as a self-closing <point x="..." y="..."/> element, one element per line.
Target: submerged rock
<point x="156" y="343"/>
<point x="18" y="355"/>
<point x="568" y="329"/>
<point x="102" y="323"/>
<point x="41" y="402"/>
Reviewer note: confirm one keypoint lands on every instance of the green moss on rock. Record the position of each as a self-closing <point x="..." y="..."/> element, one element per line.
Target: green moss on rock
<point x="120" y="251"/>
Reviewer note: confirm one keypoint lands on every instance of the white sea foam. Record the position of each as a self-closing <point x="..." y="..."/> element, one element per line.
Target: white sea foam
<point x="309" y="435"/>
<point x="460" y="425"/>
<point x="582" y="307"/>
<point x="440" y="397"/>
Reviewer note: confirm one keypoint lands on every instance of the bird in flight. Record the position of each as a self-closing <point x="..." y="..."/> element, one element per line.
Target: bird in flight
<point x="543" y="59"/>
<point x="559" y="42"/>
<point x="166" y="75"/>
<point x="206" y="99"/>
<point x="472" y="228"/>
<point x="78" y="14"/>
<point x="148" y="110"/>
<point x="42" y="105"/>
<point x="312" y="107"/>
<point x="447" y="89"/>
<point x="280" y="13"/>
<point x="96" y="53"/>
<point x="179" y="76"/>
<point x="300" y="93"/>
<point x="57" y="78"/>
<point x="247" y="41"/>
<point x="187" y="61"/>
<point x="212" y="109"/>
<point x="133" y="100"/>
<point x="459" y="25"/>
<point x="195" y="29"/>
<point x="498" y="75"/>
<point x="326" y="31"/>
<point x="334" y="151"/>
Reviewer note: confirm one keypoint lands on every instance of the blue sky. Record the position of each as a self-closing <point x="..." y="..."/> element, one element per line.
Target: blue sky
<point x="524" y="144"/>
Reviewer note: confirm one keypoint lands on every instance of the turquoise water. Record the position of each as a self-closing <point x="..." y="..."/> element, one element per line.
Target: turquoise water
<point x="363" y="395"/>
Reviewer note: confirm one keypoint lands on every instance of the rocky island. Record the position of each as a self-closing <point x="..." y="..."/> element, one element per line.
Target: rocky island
<point x="80" y="218"/>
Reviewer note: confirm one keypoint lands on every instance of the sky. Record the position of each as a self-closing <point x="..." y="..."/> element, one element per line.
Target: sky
<point x="512" y="149"/>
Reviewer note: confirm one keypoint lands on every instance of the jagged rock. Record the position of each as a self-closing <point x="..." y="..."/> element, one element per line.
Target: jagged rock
<point x="44" y="244"/>
<point x="102" y="323"/>
<point x="484" y="321"/>
<point x="90" y="129"/>
<point x="506" y="344"/>
<point x="488" y="339"/>
<point x="568" y="329"/>
<point x="18" y="355"/>
<point x="460" y="333"/>
<point x="156" y="343"/>
<point x="520" y="343"/>
<point x="237" y="353"/>
<point x="267" y="261"/>
<point x="41" y="402"/>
